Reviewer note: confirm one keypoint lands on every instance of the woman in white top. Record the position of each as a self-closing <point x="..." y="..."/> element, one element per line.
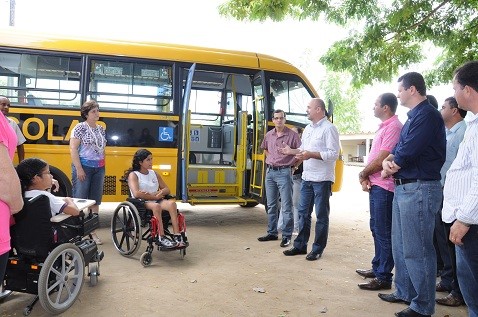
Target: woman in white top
<point x="144" y="183"/>
<point x="35" y="179"/>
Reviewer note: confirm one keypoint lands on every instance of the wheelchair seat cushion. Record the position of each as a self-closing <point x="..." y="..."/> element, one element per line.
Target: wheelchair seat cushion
<point x="32" y="234"/>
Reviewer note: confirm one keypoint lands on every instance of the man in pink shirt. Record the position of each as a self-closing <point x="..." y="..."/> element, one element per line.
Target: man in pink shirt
<point x="278" y="182"/>
<point x="381" y="193"/>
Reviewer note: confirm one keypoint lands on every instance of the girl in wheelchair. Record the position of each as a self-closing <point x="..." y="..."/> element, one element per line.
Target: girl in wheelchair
<point x="35" y="179"/>
<point x="146" y="184"/>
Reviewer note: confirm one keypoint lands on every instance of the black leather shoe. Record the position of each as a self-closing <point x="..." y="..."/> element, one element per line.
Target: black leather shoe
<point x="312" y="256"/>
<point x="365" y="273"/>
<point x="375" y="285"/>
<point x="294" y="251"/>
<point x="268" y="237"/>
<point x="410" y="313"/>
<point x="450" y="300"/>
<point x="441" y="288"/>
<point x="391" y="298"/>
<point x="285" y="242"/>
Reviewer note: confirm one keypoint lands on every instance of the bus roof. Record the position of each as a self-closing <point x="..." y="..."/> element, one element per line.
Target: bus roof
<point x="15" y="38"/>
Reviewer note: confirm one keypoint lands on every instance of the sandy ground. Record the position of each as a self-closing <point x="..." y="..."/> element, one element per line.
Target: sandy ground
<point x="225" y="262"/>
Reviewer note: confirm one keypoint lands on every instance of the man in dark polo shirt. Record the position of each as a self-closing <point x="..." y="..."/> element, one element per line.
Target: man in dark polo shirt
<point x="279" y="178"/>
<point x="415" y="165"/>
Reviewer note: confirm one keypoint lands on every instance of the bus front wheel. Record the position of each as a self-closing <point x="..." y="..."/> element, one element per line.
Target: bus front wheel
<point x="65" y="189"/>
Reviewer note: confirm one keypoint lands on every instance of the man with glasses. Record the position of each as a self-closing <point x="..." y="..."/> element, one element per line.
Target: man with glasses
<point x="279" y="178"/>
<point x="319" y="150"/>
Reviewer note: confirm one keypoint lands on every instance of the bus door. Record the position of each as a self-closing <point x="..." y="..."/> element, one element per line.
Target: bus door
<point x="258" y="169"/>
<point x="214" y="137"/>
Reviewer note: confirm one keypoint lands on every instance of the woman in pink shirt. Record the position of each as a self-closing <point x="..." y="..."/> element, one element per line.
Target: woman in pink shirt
<point x="10" y="196"/>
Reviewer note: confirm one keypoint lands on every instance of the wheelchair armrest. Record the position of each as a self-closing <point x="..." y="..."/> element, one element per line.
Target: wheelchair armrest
<point x="59" y="218"/>
<point x="135" y="200"/>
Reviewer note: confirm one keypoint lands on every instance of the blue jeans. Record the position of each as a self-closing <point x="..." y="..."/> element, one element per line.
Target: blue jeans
<point x="314" y="194"/>
<point x="279" y="184"/>
<point x="296" y="181"/>
<point x="467" y="269"/>
<point x="441" y="237"/>
<point x="92" y="186"/>
<point x="381" y="227"/>
<point x="413" y="222"/>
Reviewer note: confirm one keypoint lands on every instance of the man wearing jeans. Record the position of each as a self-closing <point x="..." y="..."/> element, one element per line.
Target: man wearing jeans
<point x="279" y="178"/>
<point x="381" y="193"/>
<point x="415" y="164"/>
<point x="460" y="204"/>
<point x="319" y="150"/>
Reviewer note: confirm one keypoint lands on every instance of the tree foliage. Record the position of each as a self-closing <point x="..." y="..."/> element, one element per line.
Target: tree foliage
<point x="384" y="35"/>
<point x="344" y="97"/>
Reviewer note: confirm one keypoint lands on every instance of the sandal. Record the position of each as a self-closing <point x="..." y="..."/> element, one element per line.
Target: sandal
<point x="95" y="238"/>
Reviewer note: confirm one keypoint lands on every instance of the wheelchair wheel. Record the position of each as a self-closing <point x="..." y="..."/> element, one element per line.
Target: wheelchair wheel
<point x="146" y="259"/>
<point x="93" y="274"/>
<point x="182" y="252"/>
<point x="27" y="311"/>
<point x="126" y="229"/>
<point x="61" y="278"/>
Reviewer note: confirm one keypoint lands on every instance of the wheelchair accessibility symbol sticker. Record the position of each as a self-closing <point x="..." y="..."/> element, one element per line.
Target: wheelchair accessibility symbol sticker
<point x="166" y="134"/>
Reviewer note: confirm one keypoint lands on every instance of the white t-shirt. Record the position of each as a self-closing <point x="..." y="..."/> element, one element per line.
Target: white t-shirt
<point x="20" y="138"/>
<point x="56" y="203"/>
<point x="147" y="183"/>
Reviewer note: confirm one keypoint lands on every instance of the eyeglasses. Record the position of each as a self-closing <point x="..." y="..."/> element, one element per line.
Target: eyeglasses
<point x="278" y="118"/>
<point x="40" y="174"/>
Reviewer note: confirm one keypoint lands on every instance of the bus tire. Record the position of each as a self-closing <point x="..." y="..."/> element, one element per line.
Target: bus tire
<point x="250" y="204"/>
<point x="65" y="189"/>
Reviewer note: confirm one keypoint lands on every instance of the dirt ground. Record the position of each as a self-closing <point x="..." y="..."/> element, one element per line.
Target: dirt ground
<point x="225" y="262"/>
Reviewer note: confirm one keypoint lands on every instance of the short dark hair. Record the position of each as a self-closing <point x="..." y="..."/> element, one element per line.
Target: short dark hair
<point x="279" y="111"/>
<point x="467" y="74"/>
<point x="390" y="100"/>
<point x="414" y="79"/>
<point x="453" y="104"/>
<point x="433" y="101"/>
<point x="87" y="106"/>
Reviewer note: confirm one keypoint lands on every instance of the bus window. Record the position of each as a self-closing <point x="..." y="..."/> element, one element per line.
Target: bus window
<point x="292" y="97"/>
<point x="40" y="80"/>
<point x="136" y="87"/>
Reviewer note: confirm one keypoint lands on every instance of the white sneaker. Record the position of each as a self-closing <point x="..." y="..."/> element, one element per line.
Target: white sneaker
<point x="165" y="242"/>
<point x="179" y="241"/>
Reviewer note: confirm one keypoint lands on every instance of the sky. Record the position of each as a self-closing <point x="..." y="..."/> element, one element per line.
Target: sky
<point x="195" y="22"/>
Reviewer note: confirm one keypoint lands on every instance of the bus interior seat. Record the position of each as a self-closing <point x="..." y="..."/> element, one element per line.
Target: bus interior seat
<point x="33" y="101"/>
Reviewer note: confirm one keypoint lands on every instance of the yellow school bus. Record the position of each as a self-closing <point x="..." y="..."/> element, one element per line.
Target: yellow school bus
<point x="202" y="112"/>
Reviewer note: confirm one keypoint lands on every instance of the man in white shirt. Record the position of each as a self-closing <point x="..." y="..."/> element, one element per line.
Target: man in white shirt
<point x="319" y="150"/>
<point x="460" y="204"/>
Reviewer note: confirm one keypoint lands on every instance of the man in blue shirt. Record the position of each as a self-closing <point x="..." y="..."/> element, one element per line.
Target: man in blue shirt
<point x="415" y="164"/>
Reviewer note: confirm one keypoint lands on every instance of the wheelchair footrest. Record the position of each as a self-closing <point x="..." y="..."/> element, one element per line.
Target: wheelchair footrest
<point x="161" y="248"/>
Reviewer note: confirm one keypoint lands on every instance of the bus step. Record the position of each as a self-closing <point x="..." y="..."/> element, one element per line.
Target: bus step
<point x="225" y="200"/>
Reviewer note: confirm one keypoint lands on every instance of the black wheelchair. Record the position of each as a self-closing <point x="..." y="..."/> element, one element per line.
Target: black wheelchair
<point x="49" y="257"/>
<point x="126" y="228"/>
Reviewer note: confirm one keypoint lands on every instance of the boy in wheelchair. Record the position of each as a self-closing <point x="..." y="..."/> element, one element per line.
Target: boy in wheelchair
<point x="146" y="184"/>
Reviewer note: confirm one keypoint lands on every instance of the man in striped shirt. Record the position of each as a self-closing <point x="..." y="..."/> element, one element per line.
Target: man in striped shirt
<point x="460" y="204"/>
